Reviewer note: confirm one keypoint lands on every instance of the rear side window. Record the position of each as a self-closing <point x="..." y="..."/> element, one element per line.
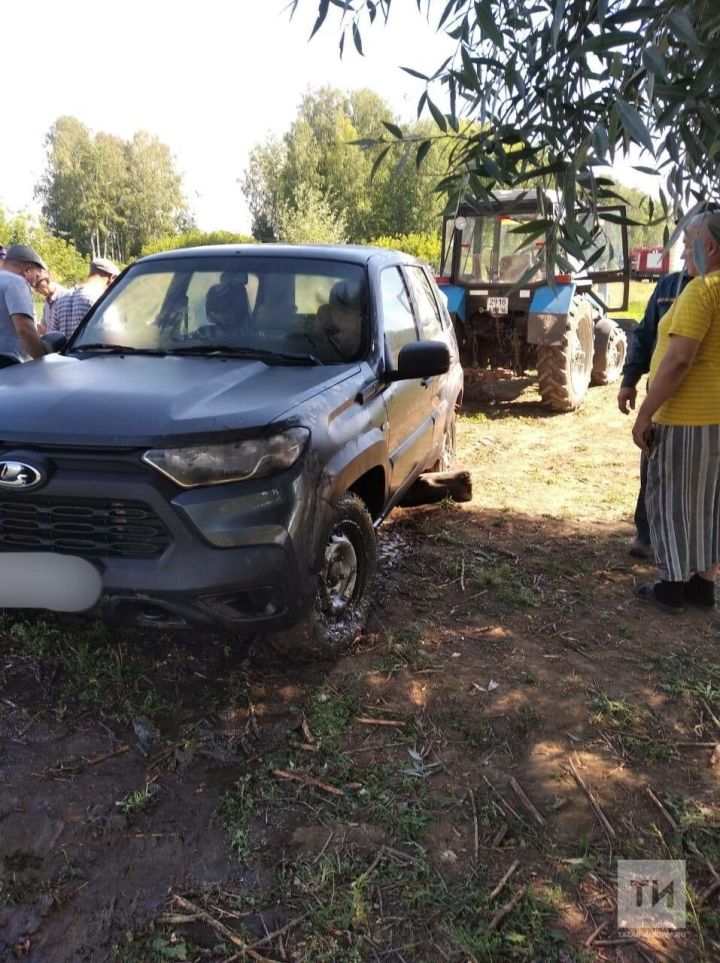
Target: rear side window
<point x="429" y="314"/>
<point x="397" y="312"/>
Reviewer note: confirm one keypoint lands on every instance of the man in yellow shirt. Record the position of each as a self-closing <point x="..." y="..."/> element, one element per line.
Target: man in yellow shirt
<point x="678" y="427"/>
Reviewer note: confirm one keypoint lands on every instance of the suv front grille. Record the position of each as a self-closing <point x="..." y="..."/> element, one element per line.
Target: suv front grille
<point x="107" y="528"/>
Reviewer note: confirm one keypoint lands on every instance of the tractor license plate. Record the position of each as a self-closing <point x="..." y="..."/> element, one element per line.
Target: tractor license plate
<point x="497" y="305"/>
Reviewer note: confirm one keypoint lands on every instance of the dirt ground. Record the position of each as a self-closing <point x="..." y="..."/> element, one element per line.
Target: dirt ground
<point x="166" y="798"/>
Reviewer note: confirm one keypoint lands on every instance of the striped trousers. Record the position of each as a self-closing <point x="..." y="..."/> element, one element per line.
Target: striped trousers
<point x="683" y="499"/>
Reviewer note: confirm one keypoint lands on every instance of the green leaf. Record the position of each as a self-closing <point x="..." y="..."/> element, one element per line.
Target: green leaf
<point x="323" y="8"/>
<point x="378" y="161"/>
<point x="682" y="26"/>
<point x="486" y="22"/>
<point x="633" y="123"/>
<point x="415" y="73"/>
<point x="603" y="42"/>
<point x="438" y="115"/>
<point x="557" y="22"/>
<point x="357" y="39"/>
<point x="654" y="61"/>
<point x="446" y="13"/>
<point x="422" y="152"/>
<point x="394" y="129"/>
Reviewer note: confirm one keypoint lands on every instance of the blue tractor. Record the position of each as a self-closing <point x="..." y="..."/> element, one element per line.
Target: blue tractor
<point x="508" y="316"/>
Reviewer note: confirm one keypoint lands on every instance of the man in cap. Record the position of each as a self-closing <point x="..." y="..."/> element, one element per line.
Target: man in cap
<point x="19" y="338"/>
<point x="72" y="307"/>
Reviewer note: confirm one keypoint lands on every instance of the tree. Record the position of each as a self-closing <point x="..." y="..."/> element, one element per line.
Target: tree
<point x="559" y="89"/>
<point x="106" y="195"/>
<point x="319" y="154"/>
<point x="66" y="263"/>
<point x="310" y="220"/>
<point x="194" y="238"/>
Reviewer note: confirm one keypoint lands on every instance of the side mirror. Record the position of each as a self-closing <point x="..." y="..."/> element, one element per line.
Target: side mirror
<point x="422" y="359"/>
<point x="55" y="340"/>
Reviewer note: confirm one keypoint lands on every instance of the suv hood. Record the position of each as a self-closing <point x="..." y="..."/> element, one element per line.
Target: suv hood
<point x="129" y="400"/>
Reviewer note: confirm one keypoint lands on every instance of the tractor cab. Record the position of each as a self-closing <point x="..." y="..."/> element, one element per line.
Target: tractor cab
<point x="494" y="275"/>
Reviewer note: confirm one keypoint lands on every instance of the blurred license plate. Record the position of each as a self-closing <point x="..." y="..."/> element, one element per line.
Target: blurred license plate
<point x="497" y="305"/>
<point x="43" y="580"/>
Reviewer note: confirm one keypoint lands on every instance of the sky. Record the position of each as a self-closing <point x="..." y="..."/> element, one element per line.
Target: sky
<point x="211" y="79"/>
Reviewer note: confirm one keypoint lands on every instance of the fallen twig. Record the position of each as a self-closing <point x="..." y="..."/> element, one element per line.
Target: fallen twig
<point x="325" y="846"/>
<point x="594" y="935"/>
<point x="222" y="929"/>
<point x="364" y="875"/>
<point x="506" y="909"/>
<point x="712" y="715"/>
<point x="498" y="889"/>
<point x="668" y="818"/>
<point x="499" y="835"/>
<point x="307" y="780"/>
<point x="517" y="789"/>
<point x="364" y="721"/>
<point x="503" y="801"/>
<point x="618" y="942"/>
<point x="306" y="746"/>
<point x="108" y="755"/>
<point x="708" y="892"/>
<point x="592" y="800"/>
<point x="28" y="726"/>
<point x="476" y="837"/>
<point x="283" y="929"/>
<point x="462" y="575"/>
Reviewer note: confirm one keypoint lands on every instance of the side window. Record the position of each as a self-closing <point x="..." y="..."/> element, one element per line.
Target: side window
<point x="429" y="314"/>
<point x="397" y="313"/>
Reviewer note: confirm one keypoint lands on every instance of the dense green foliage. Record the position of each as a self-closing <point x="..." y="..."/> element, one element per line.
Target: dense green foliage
<point x="106" y="195"/>
<point x="318" y="162"/>
<point x="310" y="219"/>
<point x="424" y="246"/>
<point x="194" y="238"/>
<point x="64" y="260"/>
<point x="559" y="89"/>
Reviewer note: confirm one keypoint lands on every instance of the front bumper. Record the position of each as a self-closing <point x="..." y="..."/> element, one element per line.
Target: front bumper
<point x="234" y="557"/>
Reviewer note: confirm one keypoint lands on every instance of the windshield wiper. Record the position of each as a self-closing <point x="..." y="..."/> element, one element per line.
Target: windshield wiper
<point x="114" y="349"/>
<point x="237" y="351"/>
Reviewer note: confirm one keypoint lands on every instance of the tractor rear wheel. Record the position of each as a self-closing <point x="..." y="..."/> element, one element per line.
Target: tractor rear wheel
<point x="564" y="369"/>
<point x="610" y="349"/>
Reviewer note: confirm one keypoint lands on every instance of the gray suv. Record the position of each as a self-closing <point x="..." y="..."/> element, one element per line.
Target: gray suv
<point x="221" y="436"/>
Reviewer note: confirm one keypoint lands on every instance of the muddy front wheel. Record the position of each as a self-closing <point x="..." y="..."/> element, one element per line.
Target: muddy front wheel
<point x="346" y="586"/>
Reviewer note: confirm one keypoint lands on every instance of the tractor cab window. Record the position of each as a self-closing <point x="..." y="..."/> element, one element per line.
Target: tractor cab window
<point x="490" y="252"/>
<point x="609" y="237"/>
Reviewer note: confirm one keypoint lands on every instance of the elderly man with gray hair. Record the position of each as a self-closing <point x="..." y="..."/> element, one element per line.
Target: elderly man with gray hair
<point x="678" y="428"/>
<point x="19" y="338"/>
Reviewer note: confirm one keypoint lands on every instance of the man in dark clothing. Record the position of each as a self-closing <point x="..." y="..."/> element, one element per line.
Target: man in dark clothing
<point x="637" y="364"/>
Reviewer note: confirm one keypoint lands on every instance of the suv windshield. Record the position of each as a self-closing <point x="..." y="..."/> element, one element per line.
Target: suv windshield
<point x="270" y="306"/>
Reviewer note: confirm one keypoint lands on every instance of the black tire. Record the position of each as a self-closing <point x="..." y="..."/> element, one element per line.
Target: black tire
<point x="448" y="455"/>
<point x="342" y="605"/>
<point x="564" y="369"/>
<point x="610" y="351"/>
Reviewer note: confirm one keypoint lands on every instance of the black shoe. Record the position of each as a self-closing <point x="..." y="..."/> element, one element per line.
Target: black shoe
<point x="640" y="549"/>
<point x="649" y="593"/>
<point x="699" y="592"/>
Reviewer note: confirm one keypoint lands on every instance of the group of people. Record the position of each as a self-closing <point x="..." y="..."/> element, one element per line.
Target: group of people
<point x="22" y="270"/>
<point x="677" y="426"/>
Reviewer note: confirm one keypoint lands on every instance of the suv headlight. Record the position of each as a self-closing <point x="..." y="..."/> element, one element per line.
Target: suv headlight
<point x="229" y="462"/>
